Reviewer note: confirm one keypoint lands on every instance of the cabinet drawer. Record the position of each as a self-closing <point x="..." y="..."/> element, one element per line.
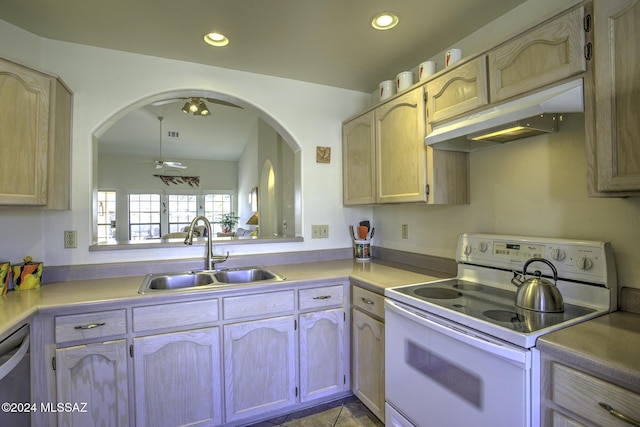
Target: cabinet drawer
<point x="262" y="304"/>
<point x="174" y="315"/>
<point x="325" y="296"/>
<point x="368" y="301"/>
<point x="581" y="394"/>
<point x="90" y="326"/>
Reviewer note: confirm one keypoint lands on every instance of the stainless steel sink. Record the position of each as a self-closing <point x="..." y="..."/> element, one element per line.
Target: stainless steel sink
<point x="180" y="280"/>
<point x="207" y="279"/>
<point x="245" y="275"/>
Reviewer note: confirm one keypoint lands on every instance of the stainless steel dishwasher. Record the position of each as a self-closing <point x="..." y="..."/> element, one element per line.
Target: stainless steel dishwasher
<point x="15" y="379"/>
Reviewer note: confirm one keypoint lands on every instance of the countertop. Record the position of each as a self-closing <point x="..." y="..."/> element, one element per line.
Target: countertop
<point x="17" y="307"/>
<point x="607" y="346"/>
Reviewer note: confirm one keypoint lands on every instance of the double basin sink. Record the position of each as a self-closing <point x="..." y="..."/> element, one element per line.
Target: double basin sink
<point x="207" y="279"/>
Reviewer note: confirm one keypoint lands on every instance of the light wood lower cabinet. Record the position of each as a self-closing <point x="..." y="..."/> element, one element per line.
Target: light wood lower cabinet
<point x="322" y="354"/>
<point x="204" y="362"/>
<point x="93" y="379"/>
<point x="367" y="344"/>
<point x="572" y="397"/>
<point x="177" y="379"/>
<point x="260" y="366"/>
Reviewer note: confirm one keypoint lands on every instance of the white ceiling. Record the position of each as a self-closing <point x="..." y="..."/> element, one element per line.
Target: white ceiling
<point x="327" y="42"/>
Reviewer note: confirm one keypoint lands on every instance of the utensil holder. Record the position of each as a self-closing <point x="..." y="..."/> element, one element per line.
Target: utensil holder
<point x="362" y="250"/>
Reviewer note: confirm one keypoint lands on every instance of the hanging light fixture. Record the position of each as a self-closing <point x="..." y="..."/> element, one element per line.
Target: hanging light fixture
<point x="196" y="106"/>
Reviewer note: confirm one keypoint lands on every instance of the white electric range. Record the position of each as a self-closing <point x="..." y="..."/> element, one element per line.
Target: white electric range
<point x="459" y="352"/>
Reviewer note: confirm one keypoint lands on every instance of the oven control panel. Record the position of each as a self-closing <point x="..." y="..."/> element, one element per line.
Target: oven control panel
<point x="581" y="260"/>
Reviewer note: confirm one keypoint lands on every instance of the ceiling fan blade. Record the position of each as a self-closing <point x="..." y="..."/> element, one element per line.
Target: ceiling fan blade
<point x="166" y="101"/>
<point x="221" y="102"/>
<point x="176" y="165"/>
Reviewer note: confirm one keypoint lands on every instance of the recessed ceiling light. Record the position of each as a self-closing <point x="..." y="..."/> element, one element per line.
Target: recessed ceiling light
<point x="216" y="39"/>
<point x="384" y="21"/>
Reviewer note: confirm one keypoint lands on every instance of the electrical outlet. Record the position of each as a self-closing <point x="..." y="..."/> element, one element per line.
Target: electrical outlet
<point x="319" y="231"/>
<point x="405" y="231"/>
<point x="70" y="239"/>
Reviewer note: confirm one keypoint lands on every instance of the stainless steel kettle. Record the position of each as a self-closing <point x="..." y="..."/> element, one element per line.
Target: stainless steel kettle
<point x="536" y="293"/>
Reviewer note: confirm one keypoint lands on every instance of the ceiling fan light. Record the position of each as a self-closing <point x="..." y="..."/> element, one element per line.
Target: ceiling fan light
<point x="193" y="105"/>
<point x="185" y="109"/>
<point x="203" y="110"/>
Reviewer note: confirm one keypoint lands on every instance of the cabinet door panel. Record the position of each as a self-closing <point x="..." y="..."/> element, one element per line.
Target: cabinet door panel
<point x="95" y="374"/>
<point x="260" y="366"/>
<point x="368" y="361"/>
<point x="460" y="90"/>
<point x="542" y="56"/>
<point x="358" y="160"/>
<point x="617" y="31"/>
<point x="321" y="354"/>
<point x="24" y="135"/>
<point x="401" y="151"/>
<point x="177" y="379"/>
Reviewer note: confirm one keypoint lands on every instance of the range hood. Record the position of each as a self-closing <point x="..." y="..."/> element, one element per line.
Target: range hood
<point x="532" y="115"/>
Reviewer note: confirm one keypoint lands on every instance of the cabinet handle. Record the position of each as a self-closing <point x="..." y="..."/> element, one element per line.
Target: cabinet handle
<point x="322" y="297"/>
<point x="588" y="51"/>
<point x="619" y="415"/>
<point x="90" y="326"/>
<point x="367" y="301"/>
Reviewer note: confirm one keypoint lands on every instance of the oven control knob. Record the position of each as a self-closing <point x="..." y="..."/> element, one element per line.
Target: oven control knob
<point x="585" y="263"/>
<point x="483" y="247"/>
<point x="467" y="250"/>
<point x="558" y="254"/>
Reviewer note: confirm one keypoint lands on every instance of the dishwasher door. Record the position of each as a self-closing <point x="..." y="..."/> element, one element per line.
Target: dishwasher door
<point x="15" y="379"/>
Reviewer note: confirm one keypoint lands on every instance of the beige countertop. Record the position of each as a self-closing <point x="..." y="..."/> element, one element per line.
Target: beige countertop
<point x="608" y="346"/>
<point x="17" y="307"/>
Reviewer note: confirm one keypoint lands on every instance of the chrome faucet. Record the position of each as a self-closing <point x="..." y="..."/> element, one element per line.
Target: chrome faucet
<point x="210" y="261"/>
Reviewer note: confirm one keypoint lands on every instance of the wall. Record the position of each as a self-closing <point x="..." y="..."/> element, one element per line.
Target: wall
<point x="105" y="82"/>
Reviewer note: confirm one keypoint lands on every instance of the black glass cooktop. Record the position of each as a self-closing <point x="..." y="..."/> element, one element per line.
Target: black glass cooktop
<point x="493" y="305"/>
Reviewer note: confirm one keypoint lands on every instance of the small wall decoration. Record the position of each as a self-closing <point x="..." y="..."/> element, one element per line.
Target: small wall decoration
<point x="323" y="154"/>
<point x="193" y="181"/>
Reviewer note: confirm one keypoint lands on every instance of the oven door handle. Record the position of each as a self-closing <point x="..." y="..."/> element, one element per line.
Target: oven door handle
<point x="510" y="353"/>
<point x="13" y="361"/>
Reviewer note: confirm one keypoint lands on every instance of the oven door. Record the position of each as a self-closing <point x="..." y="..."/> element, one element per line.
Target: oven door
<point x="440" y="374"/>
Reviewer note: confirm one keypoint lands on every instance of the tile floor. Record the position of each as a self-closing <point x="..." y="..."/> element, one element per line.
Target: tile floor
<point x="347" y="412"/>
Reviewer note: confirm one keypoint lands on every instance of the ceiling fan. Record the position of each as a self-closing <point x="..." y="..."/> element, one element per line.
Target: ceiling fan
<point x="160" y="163"/>
<point x="195" y="104"/>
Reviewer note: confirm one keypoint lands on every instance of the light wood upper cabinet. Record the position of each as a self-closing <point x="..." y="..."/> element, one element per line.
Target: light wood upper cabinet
<point x="612" y="102"/>
<point x="541" y="56"/>
<point x="458" y="91"/>
<point x="359" y="161"/>
<point x="385" y="159"/>
<point x="401" y="153"/>
<point x="35" y="138"/>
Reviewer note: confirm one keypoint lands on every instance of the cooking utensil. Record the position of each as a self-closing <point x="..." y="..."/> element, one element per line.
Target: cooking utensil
<point x="373" y="231"/>
<point x="536" y="293"/>
<point x="363" y="231"/>
<point x="352" y="232"/>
